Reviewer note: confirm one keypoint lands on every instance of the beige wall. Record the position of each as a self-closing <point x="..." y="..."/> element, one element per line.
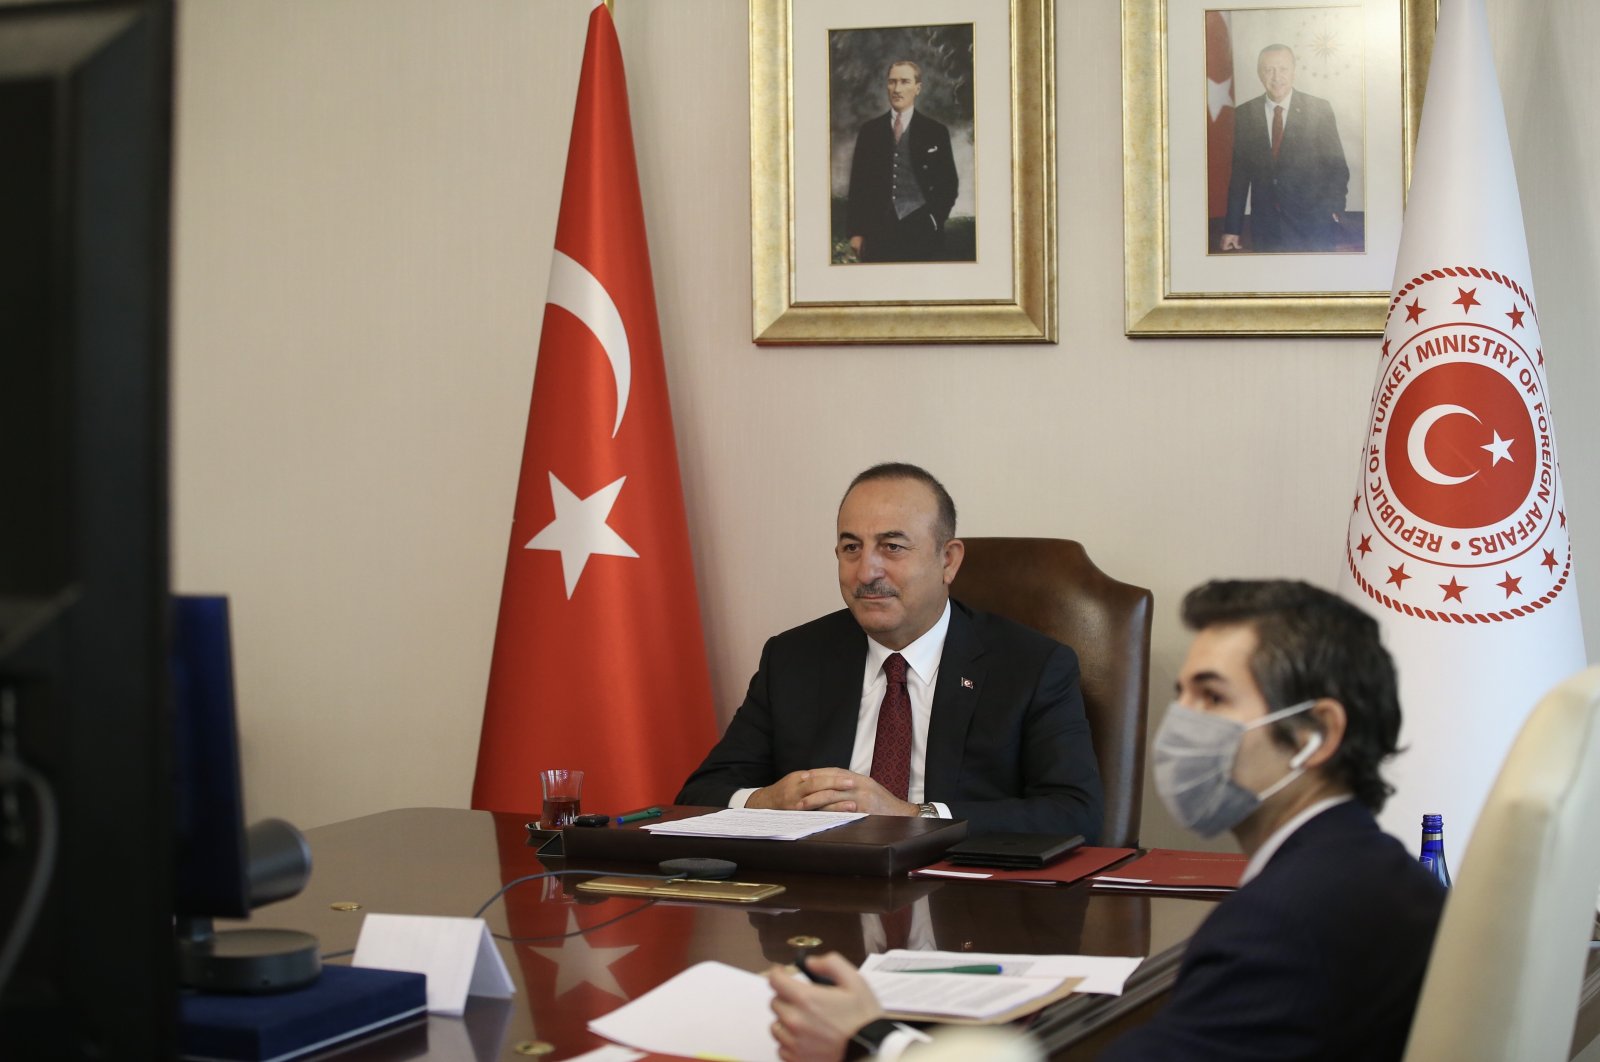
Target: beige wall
<point x="366" y="201"/>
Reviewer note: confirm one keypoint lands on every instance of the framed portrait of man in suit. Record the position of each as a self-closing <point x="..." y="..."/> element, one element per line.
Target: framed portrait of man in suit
<point x="902" y="171"/>
<point x="1273" y="146"/>
<point x="1284" y="165"/>
<point x="901" y="145"/>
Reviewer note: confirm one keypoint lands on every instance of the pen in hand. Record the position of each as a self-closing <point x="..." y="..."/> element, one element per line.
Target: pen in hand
<point x="815" y="978"/>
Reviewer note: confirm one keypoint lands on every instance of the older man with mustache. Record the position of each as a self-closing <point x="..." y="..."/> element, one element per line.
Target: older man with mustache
<point x="907" y="702"/>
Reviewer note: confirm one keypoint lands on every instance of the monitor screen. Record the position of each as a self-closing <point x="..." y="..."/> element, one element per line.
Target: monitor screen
<point x="209" y="834"/>
<point x="87" y="971"/>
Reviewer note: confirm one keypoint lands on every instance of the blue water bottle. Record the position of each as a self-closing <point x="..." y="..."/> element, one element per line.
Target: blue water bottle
<point x="1433" y="849"/>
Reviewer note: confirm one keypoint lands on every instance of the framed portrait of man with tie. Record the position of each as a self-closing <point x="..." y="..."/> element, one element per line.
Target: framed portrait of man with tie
<point x="1284" y="168"/>
<point x="902" y="171"/>
<point x="1269" y="150"/>
<point x="901" y="145"/>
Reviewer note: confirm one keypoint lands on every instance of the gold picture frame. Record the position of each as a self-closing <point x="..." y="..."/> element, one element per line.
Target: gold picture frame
<point x="1177" y="278"/>
<point x="1004" y="291"/>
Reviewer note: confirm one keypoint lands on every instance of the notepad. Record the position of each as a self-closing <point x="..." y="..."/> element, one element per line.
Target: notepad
<point x="1074" y="866"/>
<point x="1174" y="870"/>
<point x="1025" y="984"/>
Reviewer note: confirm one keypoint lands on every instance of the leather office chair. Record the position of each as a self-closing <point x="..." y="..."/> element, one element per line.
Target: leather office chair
<point x="1508" y="965"/>
<point x="1051" y="585"/>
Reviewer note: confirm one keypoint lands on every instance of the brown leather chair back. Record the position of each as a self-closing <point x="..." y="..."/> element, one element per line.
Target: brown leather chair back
<point x="1051" y="585"/>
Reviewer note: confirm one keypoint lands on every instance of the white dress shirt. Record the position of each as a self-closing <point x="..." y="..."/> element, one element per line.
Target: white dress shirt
<point x="1270" y="846"/>
<point x="1270" y="105"/>
<point x="922" y="673"/>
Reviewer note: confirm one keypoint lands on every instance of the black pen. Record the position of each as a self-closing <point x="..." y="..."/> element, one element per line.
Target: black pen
<point x="814" y="978"/>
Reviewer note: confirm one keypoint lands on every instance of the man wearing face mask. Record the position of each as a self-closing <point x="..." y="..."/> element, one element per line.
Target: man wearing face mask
<point x="1286" y="708"/>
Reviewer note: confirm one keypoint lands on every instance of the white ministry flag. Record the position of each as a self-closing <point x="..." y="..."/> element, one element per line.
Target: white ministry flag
<point x="1458" y="537"/>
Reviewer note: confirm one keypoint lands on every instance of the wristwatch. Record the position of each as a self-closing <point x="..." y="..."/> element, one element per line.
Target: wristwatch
<point x="928" y="811"/>
<point x="867" y="1040"/>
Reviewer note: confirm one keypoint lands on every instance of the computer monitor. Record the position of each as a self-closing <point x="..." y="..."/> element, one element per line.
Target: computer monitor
<point x="85" y="740"/>
<point x="209" y="836"/>
<point x="223" y="869"/>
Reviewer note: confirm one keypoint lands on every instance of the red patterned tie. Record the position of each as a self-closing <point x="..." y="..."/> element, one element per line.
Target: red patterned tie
<point x="891" y="753"/>
<point x="1277" y="129"/>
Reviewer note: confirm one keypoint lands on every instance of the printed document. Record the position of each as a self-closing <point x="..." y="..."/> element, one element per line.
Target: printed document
<point x="755" y="824"/>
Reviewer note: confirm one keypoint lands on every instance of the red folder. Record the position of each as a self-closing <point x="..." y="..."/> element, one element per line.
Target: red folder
<point x="1077" y="864"/>
<point x="1172" y="870"/>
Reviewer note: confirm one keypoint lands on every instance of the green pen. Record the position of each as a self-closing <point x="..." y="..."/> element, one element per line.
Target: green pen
<point x="978" y="968"/>
<point x="635" y="816"/>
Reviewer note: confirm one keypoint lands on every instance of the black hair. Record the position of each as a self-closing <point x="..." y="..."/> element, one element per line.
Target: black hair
<point x="944" y="524"/>
<point x="1312" y="644"/>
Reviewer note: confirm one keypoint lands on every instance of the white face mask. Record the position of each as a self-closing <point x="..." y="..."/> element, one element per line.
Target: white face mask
<point x="1194" y="756"/>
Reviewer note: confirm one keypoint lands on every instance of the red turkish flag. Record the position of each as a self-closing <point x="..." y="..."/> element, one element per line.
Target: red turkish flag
<point x="1219" y="104"/>
<point x="599" y="661"/>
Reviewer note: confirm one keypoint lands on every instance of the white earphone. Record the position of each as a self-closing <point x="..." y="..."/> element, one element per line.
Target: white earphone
<point x="1313" y="743"/>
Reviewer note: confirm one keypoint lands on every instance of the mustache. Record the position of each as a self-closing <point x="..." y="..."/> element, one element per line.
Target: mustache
<point x="876" y="588"/>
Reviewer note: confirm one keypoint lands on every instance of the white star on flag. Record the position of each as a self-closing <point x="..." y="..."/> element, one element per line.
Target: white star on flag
<point x="1219" y="94"/>
<point x="1500" y="448"/>
<point x="579" y="962"/>
<point x="579" y="530"/>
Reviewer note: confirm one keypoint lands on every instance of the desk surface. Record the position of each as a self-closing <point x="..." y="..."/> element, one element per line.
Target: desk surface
<point x="448" y="862"/>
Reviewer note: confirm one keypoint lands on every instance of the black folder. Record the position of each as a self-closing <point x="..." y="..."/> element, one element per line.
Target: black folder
<point x="1012" y="851"/>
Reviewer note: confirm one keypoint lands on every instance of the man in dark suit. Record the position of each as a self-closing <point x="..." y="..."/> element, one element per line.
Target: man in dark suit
<point x="1288" y="159"/>
<point x="908" y="703"/>
<point x="1286" y="707"/>
<point x="902" y="178"/>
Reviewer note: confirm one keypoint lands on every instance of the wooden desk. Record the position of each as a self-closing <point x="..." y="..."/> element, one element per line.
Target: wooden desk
<point x="449" y="861"/>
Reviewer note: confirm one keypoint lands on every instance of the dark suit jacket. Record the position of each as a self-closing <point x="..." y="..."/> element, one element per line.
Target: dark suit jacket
<point x="1319" y="957"/>
<point x="1010" y="753"/>
<point x="871" y="206"/>
<point x="1293" y="198"/>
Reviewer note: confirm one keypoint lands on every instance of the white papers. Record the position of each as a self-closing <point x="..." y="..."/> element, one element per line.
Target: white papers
<point x="456" y="954"/>
<point x="755" y="824"/>
<point x="1114" y="884"/>
<point x="1101" y="974"/>
<point x="710" y="1010"/>
<point x="955" y="995"/>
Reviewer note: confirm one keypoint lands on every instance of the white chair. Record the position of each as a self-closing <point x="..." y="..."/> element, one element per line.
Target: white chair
<point x="969" y="1043"/>
<point x="1506" y="970"/>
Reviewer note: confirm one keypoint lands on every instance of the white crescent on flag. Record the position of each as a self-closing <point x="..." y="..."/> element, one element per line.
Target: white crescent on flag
<point x="580" y="293"/>
<point x="1417" y="445"/>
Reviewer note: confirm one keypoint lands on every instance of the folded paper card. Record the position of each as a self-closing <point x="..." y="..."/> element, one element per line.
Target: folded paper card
<point x="457" y="954"/>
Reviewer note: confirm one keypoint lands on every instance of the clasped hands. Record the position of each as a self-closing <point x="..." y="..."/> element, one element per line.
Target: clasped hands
<point x="829" y="789"/>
